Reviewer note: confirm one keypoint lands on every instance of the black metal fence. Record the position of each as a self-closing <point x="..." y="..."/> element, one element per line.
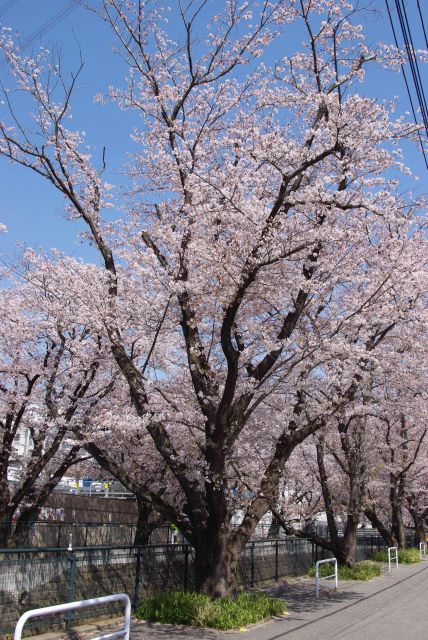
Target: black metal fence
<point x="35" y="578"/>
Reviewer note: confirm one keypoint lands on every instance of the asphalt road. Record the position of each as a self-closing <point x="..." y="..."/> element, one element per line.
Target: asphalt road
<point x="393" y="607"/>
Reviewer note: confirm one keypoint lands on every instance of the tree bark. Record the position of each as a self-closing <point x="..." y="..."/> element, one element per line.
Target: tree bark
<point x="216" y="564"/>
<point x="349" y="542"/>
<point x="144" y="528"/>
<point x="328" y="502"/>
<point x="23" y="525"/>
<point x="6" y="527"/>
<point x="274" y="527"/>
<point x="376" y="522"/>
<point x="419" y="516"/>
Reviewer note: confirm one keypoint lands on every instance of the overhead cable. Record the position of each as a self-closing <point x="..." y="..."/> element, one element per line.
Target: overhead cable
<point x="7" y="6"/>
<point x="414" y="111"/>
<point x="49" y="24"/>
<point x="413" y="60"/>
<point x="422" y="23"/>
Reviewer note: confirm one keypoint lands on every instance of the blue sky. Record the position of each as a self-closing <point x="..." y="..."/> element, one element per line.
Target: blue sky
<point x="30" y="208"/>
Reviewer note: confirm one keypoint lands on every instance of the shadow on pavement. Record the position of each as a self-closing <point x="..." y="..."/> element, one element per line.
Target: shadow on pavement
<point x="160" y="632"/>
<point x="300" y="596"/>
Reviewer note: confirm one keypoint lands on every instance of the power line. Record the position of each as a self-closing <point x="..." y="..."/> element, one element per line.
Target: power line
<point x="422" y="23"/>
<point x="49" y="24"/>
<point x="407" y="84"/>
<point x="7" y="6"/>
<point x="413" y="61"/>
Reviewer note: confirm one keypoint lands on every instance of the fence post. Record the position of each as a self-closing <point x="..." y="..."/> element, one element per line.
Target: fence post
<point x="186" y="566"/>
<point x="59" y="536"/>
<point x="71" y="587"/>
<point x="276" y="560"/>
<point x="253" y="567"/>
<point x="137" y="580"/>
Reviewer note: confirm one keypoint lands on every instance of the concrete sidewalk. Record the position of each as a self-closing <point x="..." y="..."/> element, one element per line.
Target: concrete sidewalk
<point x="392" y="607"/>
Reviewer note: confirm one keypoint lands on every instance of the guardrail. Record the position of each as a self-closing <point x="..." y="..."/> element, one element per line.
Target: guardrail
<point x="318" y="577"/>
<point x="80" y="604"/>
<point x="423" y="550"/>
<point x="392" y="559"/>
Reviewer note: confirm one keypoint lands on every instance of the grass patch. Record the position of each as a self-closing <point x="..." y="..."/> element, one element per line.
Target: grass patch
<point x="405" y="556"/>
<point x="364" y="570"/>
<point x="200" y="610"/>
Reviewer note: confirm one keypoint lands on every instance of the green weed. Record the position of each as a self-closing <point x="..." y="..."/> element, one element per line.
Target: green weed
<point x="199" y="610"/>
<point x="364" y="570"/>
<point x="405" y="556"/>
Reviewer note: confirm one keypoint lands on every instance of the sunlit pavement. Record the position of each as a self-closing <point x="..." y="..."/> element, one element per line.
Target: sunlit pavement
<point x="392" y="607"/>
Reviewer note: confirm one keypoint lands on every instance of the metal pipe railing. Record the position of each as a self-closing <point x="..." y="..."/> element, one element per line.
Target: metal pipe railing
<point x="391" y="558"/>
<point x="80" y="604"/>
<point x="318" y="577"/>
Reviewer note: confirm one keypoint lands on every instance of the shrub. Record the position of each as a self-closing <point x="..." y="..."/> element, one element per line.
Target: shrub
<point x="200" y="610"/>
<point x="364" y="570"/>
<point x="405" y="556"/>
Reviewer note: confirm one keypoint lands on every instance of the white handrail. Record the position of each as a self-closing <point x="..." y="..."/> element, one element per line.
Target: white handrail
<point x="423" y="550"/>
<point x="80" y="604"/>
<point x="395" y="558"/>
<point x="333" y="575"/>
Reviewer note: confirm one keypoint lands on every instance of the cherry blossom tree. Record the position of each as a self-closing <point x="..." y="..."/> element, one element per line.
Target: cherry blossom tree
<point x="49" y="382"/>
<point x="372" y="459"/>
<point x="261" y="257"/>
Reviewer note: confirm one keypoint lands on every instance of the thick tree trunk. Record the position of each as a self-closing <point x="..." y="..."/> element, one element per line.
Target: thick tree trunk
<point x="26" y="520"/>
<point x="144" y="528"/>
<point x="420" y="530"/>
<point x="274" y="527"/>
<point x="419" y="527"/>
<point x="356" y="495"/>
<point x="419" y="516"/>
<point x="6" y="529"/>
<point x="397" y="524"/>
<point x="216" y="563"/>
<point x="349" y="542"/>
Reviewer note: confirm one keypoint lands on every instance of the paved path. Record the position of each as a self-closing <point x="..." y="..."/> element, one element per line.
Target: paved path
<point x="393" y="607"/>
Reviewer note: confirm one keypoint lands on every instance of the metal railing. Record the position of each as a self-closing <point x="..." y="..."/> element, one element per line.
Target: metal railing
<point x="80" y="604"/>
<point x="318" y="577"/>
<point x="32" y="578"/>
<point x="392" y="558"/>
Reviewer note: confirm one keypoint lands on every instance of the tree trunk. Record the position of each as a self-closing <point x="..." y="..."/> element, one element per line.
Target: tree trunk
<point x="328" y="502"/>
<point x="356" y="495"/>
<point x="419" y="516"/>
<point x="420" y="530"/>
<point x="377" y="523"/>
<point x="349" y="542"/>
<point x="23" y="526"/>
<point x="274" y="527"/>
<point x="6" y="527"/>
<point x="144" y="528"/>
<point x="397" y="524"/>
<point x="216" y="563"/>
